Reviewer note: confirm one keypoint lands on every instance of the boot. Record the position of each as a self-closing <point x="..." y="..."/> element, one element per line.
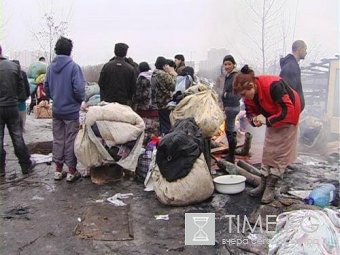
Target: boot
<point x="269" y="192"/>
<point x="245" y="148"/>
<point x="232" y="147"/>
<point x="256" y="192"/>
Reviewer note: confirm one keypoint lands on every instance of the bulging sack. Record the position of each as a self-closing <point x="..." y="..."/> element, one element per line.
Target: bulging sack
<point x="196" y="187"/>
<point x="203" y="107"/>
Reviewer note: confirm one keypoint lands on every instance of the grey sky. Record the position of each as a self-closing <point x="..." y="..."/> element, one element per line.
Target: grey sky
<point x="156" y="27"/>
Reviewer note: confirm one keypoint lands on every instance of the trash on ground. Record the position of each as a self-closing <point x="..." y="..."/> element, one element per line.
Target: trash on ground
<point x="147" y="189"/>
<point x="116" y="199"/>
<point x="41" y="158"/>
<point x="219" y="201"/>
<point x="36" y="197"/>
<point x="162" y="217"/>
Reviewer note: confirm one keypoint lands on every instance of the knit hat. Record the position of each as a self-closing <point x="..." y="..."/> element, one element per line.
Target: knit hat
<point x="143" y="67"/>
<point x="161" y="62"/>
<point x="121" y="49"/>
<point x="229" y="58"/>
<point x="180" y="57"/>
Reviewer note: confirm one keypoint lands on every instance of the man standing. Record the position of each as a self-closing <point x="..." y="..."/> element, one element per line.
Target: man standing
<point x="117" y="79"/>
<point x="65" y="85"/>
<point x="11" y="87"/>
<point x="290" y="69"/>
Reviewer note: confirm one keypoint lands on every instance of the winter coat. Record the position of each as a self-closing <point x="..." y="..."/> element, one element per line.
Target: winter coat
<point x="276" y="100"/>
<point x="65" y="85"/>
<point x="11" y="83"/>
<point x="26" y="93"/>
<point x="180" y="68"/>
<point x="142" y="97"/>
<point x="162" y="84"/>
<point x="230" y="99"/>
<point x="291" y="73"/>
<point x="117" y="82"/>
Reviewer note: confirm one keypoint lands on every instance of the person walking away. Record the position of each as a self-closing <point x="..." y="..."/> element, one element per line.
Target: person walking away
<point x="180" y="63"/>
<point x="272" y="102"/>
<point x="144" y="106"/>
<point x="22" y="98"/>
<point x="117" y="80"/>
<point x="290" y="69"/>
<point x="11" y="89"/>
<point x="163" y="82"/>
<point x="65" y="85"/>
<point x="231" y="104"/>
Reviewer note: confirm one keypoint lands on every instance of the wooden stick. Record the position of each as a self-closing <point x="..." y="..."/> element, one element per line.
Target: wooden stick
<point x="248" y="167"/>
<point x="234" y="169"/>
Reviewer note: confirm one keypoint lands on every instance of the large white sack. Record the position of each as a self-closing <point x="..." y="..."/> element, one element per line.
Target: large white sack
<point x="117" y="123"/>
<point x="196" y="187"/>
<point x="203" y="107"/>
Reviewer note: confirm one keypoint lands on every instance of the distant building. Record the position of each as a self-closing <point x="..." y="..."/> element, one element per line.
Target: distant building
<point x="212" y="67"/>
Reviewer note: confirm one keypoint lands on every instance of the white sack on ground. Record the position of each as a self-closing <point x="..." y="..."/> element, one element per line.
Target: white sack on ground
<point x="203" y="107"/>
<point x="314" y="232"/>
<point x="117" y="123"/>
<point x="196" y="187"/>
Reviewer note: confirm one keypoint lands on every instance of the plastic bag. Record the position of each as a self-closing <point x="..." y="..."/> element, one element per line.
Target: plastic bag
<point x="307" y="232"/>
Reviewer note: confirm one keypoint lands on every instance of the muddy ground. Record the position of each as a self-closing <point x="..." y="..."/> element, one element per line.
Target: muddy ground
<point x="39" y="215"/>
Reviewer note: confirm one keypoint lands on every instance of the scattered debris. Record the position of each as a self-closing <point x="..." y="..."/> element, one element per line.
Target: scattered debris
<point x="219" y="201"/>
<point x="162" y="217"/>
<point x="41" y="158"/>
<point x="149" y="189"/>
<point x="36" y="197"/>
<point x="116" y="199"/>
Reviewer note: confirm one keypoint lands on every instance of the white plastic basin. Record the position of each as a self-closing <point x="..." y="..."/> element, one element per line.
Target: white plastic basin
<point x="230" y="184"/>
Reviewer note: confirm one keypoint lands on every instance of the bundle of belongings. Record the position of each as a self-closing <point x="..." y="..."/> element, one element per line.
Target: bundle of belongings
<point x="181" y="175"/>
<point x="111" y="133"/>
<point x="200" y="103"/>
<point x="43" y="110"/>
<point x="145" y="159"/>
<point x="182" y="84"/>
<point x="307" y="232"/>
<point x="36" y="76"/>
<point x="92" y="93"/>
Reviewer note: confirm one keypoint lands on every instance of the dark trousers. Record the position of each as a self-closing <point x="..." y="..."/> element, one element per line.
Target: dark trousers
<point x="9" y="116"/>
<point x="164" y="120"/>
<point x="64" y="135"/>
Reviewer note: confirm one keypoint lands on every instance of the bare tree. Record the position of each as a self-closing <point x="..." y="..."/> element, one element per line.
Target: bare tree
<point x="265" y="16"/>
<point x="47" y="35"/>
<point x="53" y="24"/>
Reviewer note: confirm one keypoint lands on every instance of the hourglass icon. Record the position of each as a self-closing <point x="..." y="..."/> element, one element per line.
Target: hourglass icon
<point x="200" y="235"/>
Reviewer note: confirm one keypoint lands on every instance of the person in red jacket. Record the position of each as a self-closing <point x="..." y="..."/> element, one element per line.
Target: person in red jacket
<point x="272" y="102"/>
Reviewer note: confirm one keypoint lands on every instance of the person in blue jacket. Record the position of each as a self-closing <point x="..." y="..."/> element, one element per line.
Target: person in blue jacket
<point x="65" y="85"/>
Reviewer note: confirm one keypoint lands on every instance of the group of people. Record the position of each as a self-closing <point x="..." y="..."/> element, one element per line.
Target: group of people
<point x="274" y="101"/>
